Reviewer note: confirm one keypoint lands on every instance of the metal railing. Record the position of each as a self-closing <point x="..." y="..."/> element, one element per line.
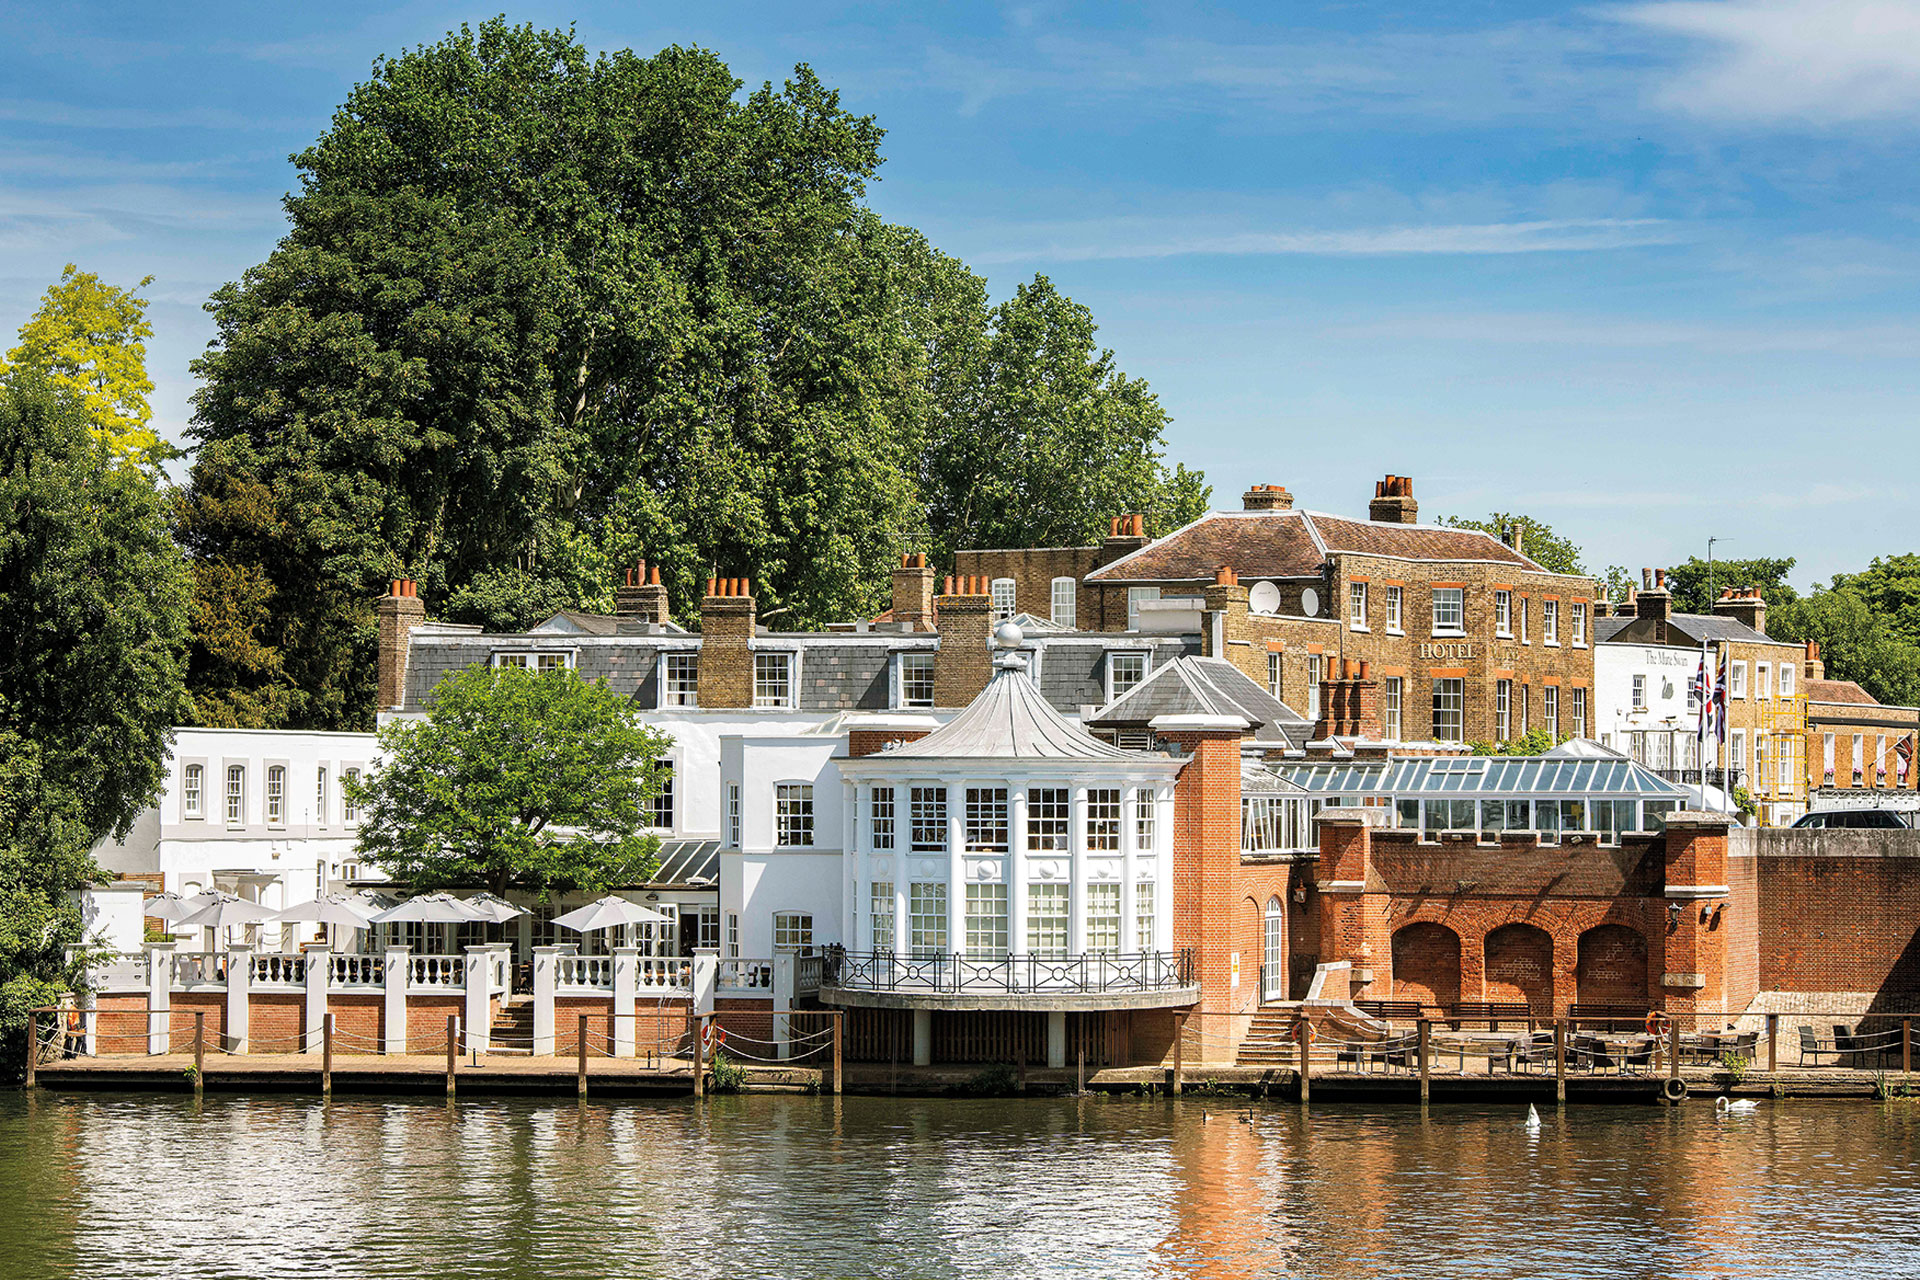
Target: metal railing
<point x="1725" y="779"/>
<point x="1090" y="974"/>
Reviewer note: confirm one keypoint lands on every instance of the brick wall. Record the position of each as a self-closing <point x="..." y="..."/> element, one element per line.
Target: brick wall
<point x="964" y="661"/>
<point x="276" y="1021"/>
<point x="726" y="644"/>
<point x="398" y="613"/>
<point x="1839" y="911"/>
<point x="359" y="1022"/>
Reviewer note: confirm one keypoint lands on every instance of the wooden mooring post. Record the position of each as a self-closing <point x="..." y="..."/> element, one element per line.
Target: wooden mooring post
<point x="453" y="1048"/>
<point x="199" y="1050"/>
<point x="1080" y="1071"/>
<point x="1773" y="1042"/>
<point x="1303" y="1029"/>
<point x="700" y="1054"/>
<point x="1559" y="1059"/>
<point x="581" y="1046"/>
<point x="1673" y="1049"/>
<point x="33" y="1044"/>
<point x="1179" y="1054"/>
<point x="1906" y="1046"/>
<point x="326" y="1056"/>
<point x="1426" y="1059"/>
<point x="839" y="1021"/>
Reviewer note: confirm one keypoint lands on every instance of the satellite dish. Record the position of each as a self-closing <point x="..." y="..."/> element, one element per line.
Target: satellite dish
<point x="1310" y="602"/>
<point x="1264" y="598"/>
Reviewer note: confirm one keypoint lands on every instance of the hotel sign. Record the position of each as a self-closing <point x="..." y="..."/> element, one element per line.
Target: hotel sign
<point x="1443" y="651"/>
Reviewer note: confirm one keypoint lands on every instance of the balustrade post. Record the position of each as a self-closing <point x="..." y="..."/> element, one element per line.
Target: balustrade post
<point x="545" y="963"/>
<point x="319" y="981"/>
<point x="626" y="991"/>
<point x="159" y="996"/>
<point x="706" y="980"/>
<point x="239" y="995"/>
<point x="478" y="1025"/>
<point x="399" y="975"/>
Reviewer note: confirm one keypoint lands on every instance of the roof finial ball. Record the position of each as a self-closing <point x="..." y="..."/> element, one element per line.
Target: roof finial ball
<point x="1008" y="635"/>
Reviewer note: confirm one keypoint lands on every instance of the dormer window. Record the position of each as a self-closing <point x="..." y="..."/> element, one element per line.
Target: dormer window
<point x="1124" y="672"/>
<point x="1003" y="598"/>
<point x="535" y="660"/>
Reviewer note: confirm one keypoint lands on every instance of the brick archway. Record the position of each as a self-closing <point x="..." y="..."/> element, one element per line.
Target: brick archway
<point x="1612" y="966"/>
<point x="1426" y="964"/>
<point x="1520" y="967"/>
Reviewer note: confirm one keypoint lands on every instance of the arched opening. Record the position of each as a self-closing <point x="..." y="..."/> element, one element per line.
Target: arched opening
<point x="1520" y="967"/>
<point x="1612" y="966"/>
<point x="1273" y="951"/>
<point x="1426" y="964"/>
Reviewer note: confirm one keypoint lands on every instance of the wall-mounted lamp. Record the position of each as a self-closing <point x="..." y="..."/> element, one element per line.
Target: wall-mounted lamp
<point x="1300" y="894"/>
<point x="653" y="897"/>
<point x="1673" y="916"/>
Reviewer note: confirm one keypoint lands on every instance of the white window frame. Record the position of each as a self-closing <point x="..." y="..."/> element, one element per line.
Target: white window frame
<point x="1104" y="816"/>
<point x="1049" y="920"/>
<point x="930" y="802"/>
<point x="986" y="826"/>
<point x="1456" y="695"/>
<point x="1502" y="710"/>
<point x="1393" y="691"/>
<point x="984" y="918"/>
<point x="1064" y="602"/>
<point x="1456" y="597"/>
<point x="1357" y="606"/>
<point x="793" y="815"/>
<point x="883" y="817"/>
<point x="320" y="795"/>
<point x="1115" y="657"/>
<point x="1315" y="665"/>
<point x="1525" y="604"/>
<point x="927" y="918"/>
<point x="1503" y="614"/>
<point x="1639" y="694"/>
<point x="912" y="679"/>
<point x="1143" y="921"/>
<point x="793" y="933"/>
<point x="276" y="795"/>
<point x="1049" y="820"/>
<point x="1396" y="598"/>
<point x="1737" y="680"/>
<point x="880" y="914"/>
<point x="1787" y="673"/>
<point x="1579" y="711"/>
<point x="1143" y="819"/>
<point x="1276" y="673"/>
<point x="1550" y="622"/>
<point x="193" y="790"/>
<point x="1579" y="608"/>
<point x="1135" y="596"/>
<point x="1005" y="597"/>
<point x="535" y="659"/>
<point x="349" y="778"/>
<point x="1551" y="707"/>
<point x="680" y="679"/>
<point x="1103" y="917"/>
<point x="1763" y="681"/>
<point x="733" y="815"/>
<point x="785" y="659"/>
<point x="662" y="800"/>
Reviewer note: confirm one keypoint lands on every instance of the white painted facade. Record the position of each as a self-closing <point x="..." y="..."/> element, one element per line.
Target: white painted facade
<point x="762" y="874"/>
<point x="1641" y="707"/>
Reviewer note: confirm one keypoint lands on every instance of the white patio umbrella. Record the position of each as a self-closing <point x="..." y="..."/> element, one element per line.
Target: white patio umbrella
<point x="498" y="909"/>
<point x="224" y="911"/>
<point x="432" y="908"/>
<point x="166" y="907"/>
<point x="349" y="911"/>
<point x="608" y="913"/>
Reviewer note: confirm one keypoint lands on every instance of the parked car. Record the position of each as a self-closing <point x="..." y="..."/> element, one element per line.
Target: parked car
<point x="1855" y="819"/>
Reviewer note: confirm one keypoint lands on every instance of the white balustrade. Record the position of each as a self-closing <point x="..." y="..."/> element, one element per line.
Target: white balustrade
<point x="737" y="975"/>
<point x="274" y="968"/>
<point x="806" y="973"/>
<point x="594" y="973"/>
<point x="662" y="975"/>
<point x="120" y="971"/>
<point x="358" y="971"/>
<point x="199" y="969"/>
<point x="437" y="973"/>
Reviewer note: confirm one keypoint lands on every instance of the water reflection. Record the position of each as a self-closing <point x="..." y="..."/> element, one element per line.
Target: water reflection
<point x="269" y="1187"/>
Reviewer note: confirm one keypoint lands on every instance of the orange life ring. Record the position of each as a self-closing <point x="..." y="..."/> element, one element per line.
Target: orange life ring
<point x="1657" y="1024"/>
<point x="1303" y="1031"/>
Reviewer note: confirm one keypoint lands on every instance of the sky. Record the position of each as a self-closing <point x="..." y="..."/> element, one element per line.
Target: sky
<point x="1644" y="271"/>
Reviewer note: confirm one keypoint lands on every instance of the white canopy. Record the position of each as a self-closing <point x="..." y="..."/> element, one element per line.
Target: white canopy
<point x="608" y="913"/>
<point x="170" y="906"/>
<point x="349" y="911"/>
<point x="498" y="910"/>
<point x="433" y="908"/>
<point x="223" y="911"/>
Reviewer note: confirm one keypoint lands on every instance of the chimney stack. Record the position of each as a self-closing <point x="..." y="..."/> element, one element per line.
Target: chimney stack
<point x="1267" y="497"/>
<point x="1654" y="601"/>
<point x="1223" y="620"/>
<point x="1516" y="537"/>
<point x="1349" y="703"/>
<point x="1393" y="502"/>
<point x="963" y="663"/>
<point x="642" y="597"/>
<point x="398" y="613"/>
<point x="1743" y="604"/>
<point x="913" y="593"/>
<point x="1816" y="669"/>
<point x="1125" y="535"/>
<point x="726" y="643"/>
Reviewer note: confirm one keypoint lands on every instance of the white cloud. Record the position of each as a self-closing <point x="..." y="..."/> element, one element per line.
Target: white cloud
<point x="1819" y="62"/>
<point x="1107" y="242"/>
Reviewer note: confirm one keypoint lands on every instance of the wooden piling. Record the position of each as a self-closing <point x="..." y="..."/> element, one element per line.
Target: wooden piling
<point x="1304" y="1029"/>
<point x="453" y="1049"/>
<point x="1673" y="1049"/>
<point x="1773" y="1042"/>
<point x="581" y="1077"/>
<point x="199" y="1049"/>
<point x="1560" y="1060"/>
<point x="1906" y="1046"/>
<point x="33" y="1044"/>
<point x="1179" y="1054"/>
<point x="839" y="1019"/>
<point x="700" y="1025"/>
<point x="1080" y="1071"/>
<point x="326" y="1056"/>
<point x="1426" y="1059"/>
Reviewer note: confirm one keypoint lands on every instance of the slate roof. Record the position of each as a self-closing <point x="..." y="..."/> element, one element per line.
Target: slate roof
<point x="1294" y="544"/>
<point x="1195" y="686"/>
<point x="1692" y="627"/>
<point x="1009" y="720"/>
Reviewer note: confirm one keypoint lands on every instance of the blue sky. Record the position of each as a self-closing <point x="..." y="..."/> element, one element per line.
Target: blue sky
<point x="1645" y="271"/>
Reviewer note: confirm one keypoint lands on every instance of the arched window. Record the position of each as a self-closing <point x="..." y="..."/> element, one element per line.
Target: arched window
<point x="1065" y="591"/>
<point x="1003" y="599"/>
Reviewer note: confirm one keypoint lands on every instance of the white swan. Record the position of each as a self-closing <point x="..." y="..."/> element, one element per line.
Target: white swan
<point x="1722" y="1105"/>
<point x="1533" y="1118"/>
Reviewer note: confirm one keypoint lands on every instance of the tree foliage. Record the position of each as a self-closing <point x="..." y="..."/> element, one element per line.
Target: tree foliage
<point x="515" y="779"/>
<point x="1531" y="743"/>
<point x="88" y="339"/>
<point x="1538" y="540"/>
<point x="538" y="313"/>
<point x="1696" y="584"/>
<point x="93" y="605"/>
<point x="1860" y="622"/>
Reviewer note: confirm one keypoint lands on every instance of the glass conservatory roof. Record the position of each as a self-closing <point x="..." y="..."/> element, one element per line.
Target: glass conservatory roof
<point x="1483" y="775"/>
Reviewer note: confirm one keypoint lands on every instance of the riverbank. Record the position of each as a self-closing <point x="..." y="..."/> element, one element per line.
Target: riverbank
<point x="609" y="1077"/>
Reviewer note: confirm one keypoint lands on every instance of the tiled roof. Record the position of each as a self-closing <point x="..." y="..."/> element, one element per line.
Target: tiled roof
<point x="1837" y="691"/>
<point x="1293" y="544"/>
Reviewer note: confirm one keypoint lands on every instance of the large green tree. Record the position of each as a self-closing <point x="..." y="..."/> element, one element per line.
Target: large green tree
<point x="539" y="312"/>
<point x="88" y="339"/>
<point x="1538" y="540"/>
<point x="1696" y="584"/>
<point x="515" y="779"/>
<point x="93" y="605"/>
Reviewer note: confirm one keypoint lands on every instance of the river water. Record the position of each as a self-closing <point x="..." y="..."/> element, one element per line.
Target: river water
<point x="122" y="1186"/>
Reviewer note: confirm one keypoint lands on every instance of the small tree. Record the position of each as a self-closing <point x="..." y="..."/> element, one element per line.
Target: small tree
<point x="515" y="779"/>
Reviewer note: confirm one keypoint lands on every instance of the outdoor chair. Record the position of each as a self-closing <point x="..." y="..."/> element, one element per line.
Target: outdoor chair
<point x="1812" y="1046"/>
<point x="1591" y="1053"/>
<point x="1638" y="1056"/>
